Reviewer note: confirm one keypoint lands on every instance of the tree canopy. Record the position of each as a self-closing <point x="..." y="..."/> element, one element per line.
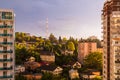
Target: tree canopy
<point x="93" y="61"/>
<point x="71" y="46"/>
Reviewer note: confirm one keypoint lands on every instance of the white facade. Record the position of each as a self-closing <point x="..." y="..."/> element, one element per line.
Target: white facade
<point x="19" y="69"/>
<point x="7" y="45"/>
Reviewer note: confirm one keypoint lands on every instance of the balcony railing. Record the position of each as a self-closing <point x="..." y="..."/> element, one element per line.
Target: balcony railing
<point x="4" y="34"/>
<point x="6" y="68"/>
<point x="6" y="43"/>
<point x="6" y="51"/>
<point x="117" y="73"/>
<point x="5" y="26"/>
<point x="10" y="76"/>
<point x="5" y="59"/>
<point x="117" y="61"/>
<point x="117" y="78"/>
<point x="117" y="56"/>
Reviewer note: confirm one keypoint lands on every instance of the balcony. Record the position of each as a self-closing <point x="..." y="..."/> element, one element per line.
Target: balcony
<point x="6" y="68"/>
<point x="117" y="51"/>
<point x="6" y="43"/>
<point x="5" y="26"/>
<point x="4" y="34"/>
<point x="117" y="61"/>
<point x="10" y="76"/>
<point x="1" y="60"/>
<point x="117" y="78"/>
<point x="117" y="56"/>
<point x="6" y="51"/>
<point x="117" y="73"/>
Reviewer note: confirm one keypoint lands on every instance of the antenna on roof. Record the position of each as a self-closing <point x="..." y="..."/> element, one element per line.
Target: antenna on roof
<point x="47" y="28"/>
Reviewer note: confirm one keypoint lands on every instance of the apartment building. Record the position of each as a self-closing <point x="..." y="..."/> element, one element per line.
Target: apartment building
<point x="111" y="39"/>
<point x="6" y="44"/>
<point x="85" y="48"/>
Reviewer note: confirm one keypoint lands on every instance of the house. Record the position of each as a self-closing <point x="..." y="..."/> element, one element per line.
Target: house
<point x="35" y="76"/>
<point x="31" y="64"/>
<point x="76" y="65"/>
<point x="73" y="65"/>
<point x="90" y="74"/>
<point x="47" y="56"/>
<point x="19" y="69"/>
<point x="73" y="74"/>
<point x="67" y="52"/>
<point x="55" y="70"/>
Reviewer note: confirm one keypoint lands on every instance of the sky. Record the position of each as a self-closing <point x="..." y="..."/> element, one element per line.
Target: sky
<point x="76" y="18"/>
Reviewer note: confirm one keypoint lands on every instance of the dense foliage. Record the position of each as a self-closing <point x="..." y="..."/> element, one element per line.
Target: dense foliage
<point x="93" y="61"/>
<point x="27" y="46"/>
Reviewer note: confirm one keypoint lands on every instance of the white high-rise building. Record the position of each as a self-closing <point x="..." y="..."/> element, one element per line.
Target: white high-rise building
<point x="111" y="39"/>
<point x="7" y="56"/>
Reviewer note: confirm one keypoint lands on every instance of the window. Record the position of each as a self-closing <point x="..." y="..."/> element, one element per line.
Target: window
<point x="4" y="56"/>
<point x="4" y="73"/>
<point x="4" y="64"/>
<point x="5" y="31"/>
<point x="118" y="3"/>
<point x="118" y="20"/>
<point x="5" y="40"/>
<point x="118" y="9"/>
<point x="116" y="42"/>
<point x="4" y="48"/>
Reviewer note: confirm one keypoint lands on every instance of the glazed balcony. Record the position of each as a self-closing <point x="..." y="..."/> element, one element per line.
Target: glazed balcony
<point x="2" y="60"/>
<point x="6" y="43"/>
<point x="5" y="26"/>
<point x="6" y="68"/>
<point x="10" y="76"/>
<point x="6" y="51"/>
<point x="4" y="34"/>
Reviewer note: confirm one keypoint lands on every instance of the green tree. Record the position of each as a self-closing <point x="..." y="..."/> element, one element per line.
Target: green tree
<point x="47" y="76"/>
<point x="71" y="46"/>
<point x="20" y="77"/>
<point x="21" y="54"/>
<point x="97" y="78"/>
<point x="64" y="39"/>
<point x="52" y="38"/>
<point x="93" y="61"/>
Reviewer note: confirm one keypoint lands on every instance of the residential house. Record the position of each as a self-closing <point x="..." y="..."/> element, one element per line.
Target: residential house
<point x="35" y="76"/>
<point x="31" y="64"/>
<point x="73" y="65"/>
<point x="19" y="69"/>
<point x="47" y="56"/>
<point x="73" y="74"/>
<point x="76" y="65"/>
<point x="67" y="52"/>
<point x="90" y="74"/>
<point x="55" y="70"/>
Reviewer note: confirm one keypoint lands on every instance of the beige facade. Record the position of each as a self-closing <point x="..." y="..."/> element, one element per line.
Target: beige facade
<point x="99" y="50"/>
<point x="6" y="45"/>
<point x="48" y="58"/>
<point x="73" y="74"/>
<point x="111" y="39"/>
<point x="85" y="48"/>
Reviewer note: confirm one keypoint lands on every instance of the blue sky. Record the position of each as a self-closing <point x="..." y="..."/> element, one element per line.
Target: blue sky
<point x="76" y="18"/>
